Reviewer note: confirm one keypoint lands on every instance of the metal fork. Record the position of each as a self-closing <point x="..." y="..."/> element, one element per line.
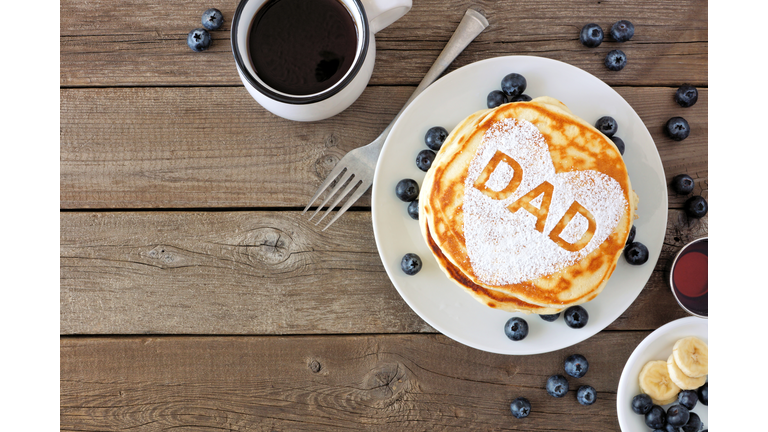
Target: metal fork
<point x="355" y="170"/>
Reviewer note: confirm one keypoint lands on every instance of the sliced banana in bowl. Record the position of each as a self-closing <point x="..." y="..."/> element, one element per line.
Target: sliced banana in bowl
<point x="692" y="356"/>
<point x="656" y="382"/>
<point x="680" y="378"/>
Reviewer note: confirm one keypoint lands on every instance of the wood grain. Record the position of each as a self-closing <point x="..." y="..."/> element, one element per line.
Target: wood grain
<point x="215" y="147"/>
<point x="138" y="43"/>
<point x="374" y="383"/>
<point x="260" y="273"/>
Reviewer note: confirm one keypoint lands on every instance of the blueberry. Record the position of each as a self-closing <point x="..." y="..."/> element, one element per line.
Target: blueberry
<point x="686" y="95"/>
<point x="622" y="31"/>
<point x="669" y="428"/>
<point x="677" y="128"/>
<point x="557" y="386"/>
<point x="411" y="264"/>
<point x="619" y="144"/>
<point x="677" y="415"/>
<point x="513" y="85"/>
<point x="576" y="317"/>
<point x="413" y="209"/>
<point x="607" y="125"/>
<point x="688" y="398"/>
<point x="615" y="60"/>
<point x="520" y="407"/>
<point x="636" y="253"/>
<point x="551" y="317"/>
<point x="496" y="98"/>
<point x="655" y="418"/>
<point x="696" y="207"/>
<point x="631" y="236"/>
<point x="199" y="39"/>
<point x="591" y="35"/>
<point x="703" y="393"/>
<point x="521" y="98"/>
<point x="516" y="328"/>
<point x="682" y="184"/>
<point x="694" y="424"/>
<point x="435" y="137"/>
<point x="212" y="19"/>
<point x="407" y="190"/>
<point x="586" y="395"/>
<point x="424" y="159"/>
<point x="642" y="403"/>
<point x="576" y="365"/>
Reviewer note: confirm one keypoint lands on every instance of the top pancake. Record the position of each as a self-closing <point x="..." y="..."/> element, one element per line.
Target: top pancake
<point x="528" y="201"/>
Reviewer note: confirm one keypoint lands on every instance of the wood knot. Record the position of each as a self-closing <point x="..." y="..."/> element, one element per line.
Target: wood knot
<point x="271" y="246"/>
<point x="387" y="384"/>
<point x="315" y="366"/>
<point x="325" y="164"/>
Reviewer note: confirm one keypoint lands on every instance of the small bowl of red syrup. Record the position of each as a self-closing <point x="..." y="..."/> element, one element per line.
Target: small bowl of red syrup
<point x="689" y="277"/>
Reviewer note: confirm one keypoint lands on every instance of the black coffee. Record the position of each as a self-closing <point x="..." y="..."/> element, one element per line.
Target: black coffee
<point x="302" y="47"/>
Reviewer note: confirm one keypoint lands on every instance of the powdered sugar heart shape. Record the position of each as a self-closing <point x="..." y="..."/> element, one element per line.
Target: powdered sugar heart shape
<point x="522" y="219"/>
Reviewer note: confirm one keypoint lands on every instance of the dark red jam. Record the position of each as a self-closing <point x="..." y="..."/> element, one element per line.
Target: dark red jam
<point x="690" y="278"/>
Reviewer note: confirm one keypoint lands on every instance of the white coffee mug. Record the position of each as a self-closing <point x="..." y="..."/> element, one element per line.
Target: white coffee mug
<point x="369" y="17"/>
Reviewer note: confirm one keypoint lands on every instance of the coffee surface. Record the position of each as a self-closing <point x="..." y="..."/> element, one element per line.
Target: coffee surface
<point x="302" y="47"/>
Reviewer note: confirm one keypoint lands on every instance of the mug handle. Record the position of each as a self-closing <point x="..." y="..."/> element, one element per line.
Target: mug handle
<point x="382" y="13"/>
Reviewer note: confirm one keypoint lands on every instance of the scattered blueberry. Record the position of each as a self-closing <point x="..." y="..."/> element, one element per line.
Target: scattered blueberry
<point x="407" y="190"/>
<point x="642" y="403"/>
<point x="520" y="407"/>
<point x="212" y="19"/>
<point x="424" y="159"/>
<point x="411" y="264"/>
<point x="435" y="137"/>
<point x="521" y="98"/>
<point x="199" y="39"/>
<point x="576" y="317"/>
<point x="591" y="35"/>
<point x="513" y="85"/>
<point x="550" y="317"/>
<point x="496" y="98"/>
<point x="607" y="125"/>
<point x="622" y="31"/>
<point x="619" y="144"/>
<point x="696" y="207"/>
<point x="636" y="253"/>
<point x="682" y="184"/>
<point x="694" y="424"/>
<point x="516" y="328"/>
<point x="586" y="395"/>
<point x="677" y="128"/>
<point x="686" y="95"/>
<point x="615" y="60"/>
<point x="677" y="415"/>
<point x="631" y="236"/>
<point x="576" y="365"/>
<point x="703" y="393"/>
<point x="557" y="386"/>
<point x="655" y="418"/>
<point x="688" y="398"/>
<point x="413" y="209"/>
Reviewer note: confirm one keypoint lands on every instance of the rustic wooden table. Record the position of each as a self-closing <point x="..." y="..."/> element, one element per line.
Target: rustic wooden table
<point x="196" y="297"/>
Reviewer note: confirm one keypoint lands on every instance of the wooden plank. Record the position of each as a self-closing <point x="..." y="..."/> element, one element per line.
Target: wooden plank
<point x="259" y="273"/>
<point x="375" y="383"/>
<point x="140" y="43"/>
<point x="215" y="147"/>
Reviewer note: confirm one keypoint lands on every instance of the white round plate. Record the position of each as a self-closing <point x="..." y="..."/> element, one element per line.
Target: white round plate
<point x="657" y="346"/>
<point x="446" y="306"/>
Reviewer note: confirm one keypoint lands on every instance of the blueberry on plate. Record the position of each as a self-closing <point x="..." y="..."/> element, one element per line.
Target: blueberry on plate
<point x="703" y="393"/>
<point x="521" y="98"/>
<point x="557" y="386"/>
<point x="655" y="418"/>
<point x="576" y="317"/>
<point x="435" y="137"/>
<point x="516" y="328"/>
<point x="576" y="365"/>
<point x="682" y="184"/>
<point x="677" y="128"/>
<point x="496" y="98"/>
<point x="411" y="264"/>
<point x="607" y="125"/>
<point x="212" y="19"/>
<point x="513" y="85"/>
<point x="631" y="236"/>
<point x="636" y="253"/>
<point x="694" y="424"/>
<point x="591" y="35"/>
<point x="199" y="39"/>
<point x="520" y="407"/>
<point x="586" y="395"/>
<point x="677" y="415"/>
<point x="413" y="209"/>
<point x="622" y="31"/>
<point x="669" y="428"/>
<point x="619" y="144"/>
<point x="688" y="398"/>
<point x="550" y="317"/>
<point x="615" y="60"/>
<point x="686" y="95"/>
<point x="696" y="207"/>
<point x="407" y="190"/>
<point x="642" y="403"/>
<point x="424" y="159"/>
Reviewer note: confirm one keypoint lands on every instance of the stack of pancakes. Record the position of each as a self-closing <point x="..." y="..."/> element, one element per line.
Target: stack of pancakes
<point x="527" y="207"/>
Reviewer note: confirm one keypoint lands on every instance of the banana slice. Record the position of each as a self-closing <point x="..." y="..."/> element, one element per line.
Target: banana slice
<point x="682" y="380"/>
<point x="656" y="383"/>
<point x="692" y="356"/>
